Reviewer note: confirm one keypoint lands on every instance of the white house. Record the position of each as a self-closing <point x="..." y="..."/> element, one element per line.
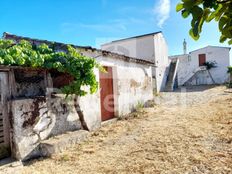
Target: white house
<point x="191" y="70"/>
<point x="151" y="47"/>
<point x="31" y="116"/>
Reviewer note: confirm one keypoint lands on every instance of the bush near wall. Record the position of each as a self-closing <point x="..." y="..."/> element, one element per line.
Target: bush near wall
<point x="230" y="72"/>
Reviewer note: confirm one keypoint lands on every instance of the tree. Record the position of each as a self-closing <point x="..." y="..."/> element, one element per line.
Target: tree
<point x="230" y="72"/>
<point x="205" y="11"/>
<point x="209" y="66"/>
<point x="69" y="61"/>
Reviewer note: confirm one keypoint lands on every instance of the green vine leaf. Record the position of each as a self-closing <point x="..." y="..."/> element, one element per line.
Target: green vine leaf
<point x="69" y="61"/>
<point x="202" y="11"/>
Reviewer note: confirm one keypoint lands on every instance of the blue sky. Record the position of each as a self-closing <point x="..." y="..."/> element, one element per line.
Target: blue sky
<point x="92" y="22"/>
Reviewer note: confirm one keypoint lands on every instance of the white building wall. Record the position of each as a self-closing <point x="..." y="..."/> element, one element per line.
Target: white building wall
<point x="218" y="54"/>
<point x="132" y="83"/>
<point x="161" y="62"/>
<point x="142" y="47"/>
<point x="152" y="47"/>
<point x="188" y="64"/>
<point x="132" y="86"/>
<point x="184" y="68"/>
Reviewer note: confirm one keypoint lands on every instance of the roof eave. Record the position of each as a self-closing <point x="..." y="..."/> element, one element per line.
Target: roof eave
<point x="133" y="37"/>
<point x="102" y="52"/>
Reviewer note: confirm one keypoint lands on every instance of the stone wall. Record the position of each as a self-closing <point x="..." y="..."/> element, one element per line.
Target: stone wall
<point x="34" y="120"/>
<point x="29" y="83"/>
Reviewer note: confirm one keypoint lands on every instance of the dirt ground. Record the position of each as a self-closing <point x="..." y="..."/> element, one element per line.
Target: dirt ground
<point x="185" y="132"/>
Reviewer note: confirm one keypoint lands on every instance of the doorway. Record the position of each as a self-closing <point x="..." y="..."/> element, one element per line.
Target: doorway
<point x="106" y="93"/>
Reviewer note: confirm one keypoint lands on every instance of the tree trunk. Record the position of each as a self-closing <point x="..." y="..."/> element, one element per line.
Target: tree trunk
<point x="80" y="113"/>
<point x="211" y="77"/>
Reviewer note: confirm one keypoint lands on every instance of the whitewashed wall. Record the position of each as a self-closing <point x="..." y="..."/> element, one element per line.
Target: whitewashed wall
<point x="151" y="47"/>
<point x="39" y="118"/>
<point x="220" y="55"/>
<point x="184" y="68"/>
<point x="188" y="64"/>
<point x="35" y="120"/>
<point x="161" y="61"/>
<point x="141" y="47"/>
<point x="134" y="87"/>
<point x="132" y="83"/>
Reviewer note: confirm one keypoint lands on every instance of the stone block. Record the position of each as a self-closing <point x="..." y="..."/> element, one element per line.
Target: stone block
<point x="60" y="143"/>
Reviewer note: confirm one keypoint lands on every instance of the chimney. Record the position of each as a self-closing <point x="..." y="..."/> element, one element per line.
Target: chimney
<point x="185" y="47"/>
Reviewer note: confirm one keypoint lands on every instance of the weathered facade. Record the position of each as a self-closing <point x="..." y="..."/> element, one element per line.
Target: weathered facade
<point x="191" y="69"/>
<point x="34" y="111"/>
<point x="151" y="47"/>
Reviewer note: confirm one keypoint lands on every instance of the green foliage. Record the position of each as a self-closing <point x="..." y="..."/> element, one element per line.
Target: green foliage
<point x="205" y="11"/>
<point x="230" y="70"/>
<point x="229" y="85"/>
<point x="42" y="56"/>
<point x="139" y="106"/>
<point x="210" y="65"/>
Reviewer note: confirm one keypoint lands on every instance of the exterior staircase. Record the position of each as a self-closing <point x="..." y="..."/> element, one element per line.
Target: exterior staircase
<point x="171" y="75"/>
<point x="191" y="74"/>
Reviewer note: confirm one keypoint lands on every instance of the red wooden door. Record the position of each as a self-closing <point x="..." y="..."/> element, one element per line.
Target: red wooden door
<point x="202" y="59"/>
<point x="107" y="98"/>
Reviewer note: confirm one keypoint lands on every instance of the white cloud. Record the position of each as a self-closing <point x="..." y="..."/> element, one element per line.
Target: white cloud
<point x="162" y="11"/>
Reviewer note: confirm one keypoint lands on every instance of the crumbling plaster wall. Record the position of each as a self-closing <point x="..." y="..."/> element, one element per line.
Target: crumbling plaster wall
<point x="134" y="87"/>
<point x="37" y="119"/>
<point x="34" y="120"/>
<point x="132" y="83"/>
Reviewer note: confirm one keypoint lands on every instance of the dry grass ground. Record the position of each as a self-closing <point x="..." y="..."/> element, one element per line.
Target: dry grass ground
<point x="173" y="137"/>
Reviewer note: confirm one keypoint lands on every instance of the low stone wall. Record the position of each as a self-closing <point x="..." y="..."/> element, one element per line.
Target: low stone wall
<point x="34" y="120"/>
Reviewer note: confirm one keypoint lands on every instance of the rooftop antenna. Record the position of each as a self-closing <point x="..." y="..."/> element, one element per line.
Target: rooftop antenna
<point x="185" y="47"/>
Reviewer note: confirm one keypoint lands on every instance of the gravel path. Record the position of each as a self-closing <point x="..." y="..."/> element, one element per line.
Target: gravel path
<point x="194" y="137"/>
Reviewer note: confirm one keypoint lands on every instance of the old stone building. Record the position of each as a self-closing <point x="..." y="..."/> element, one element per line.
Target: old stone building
<point x="32" y="110"/>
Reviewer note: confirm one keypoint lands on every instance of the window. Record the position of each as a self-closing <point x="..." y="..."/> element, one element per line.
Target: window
<point x="202" y="59"/>
<point x="59" y="79"/>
